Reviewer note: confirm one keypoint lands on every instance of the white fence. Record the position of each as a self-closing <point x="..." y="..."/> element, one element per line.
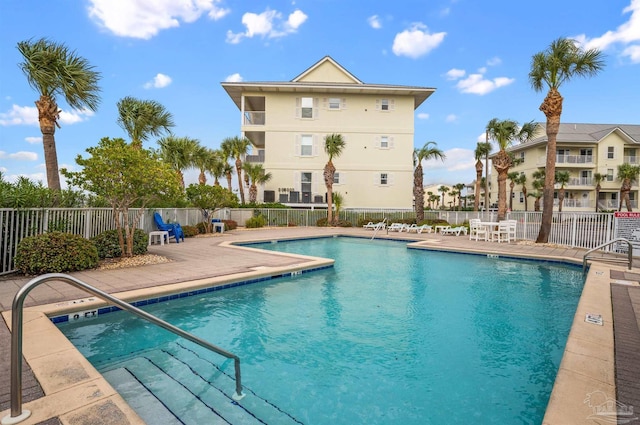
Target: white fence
<point x="581" y="230"/>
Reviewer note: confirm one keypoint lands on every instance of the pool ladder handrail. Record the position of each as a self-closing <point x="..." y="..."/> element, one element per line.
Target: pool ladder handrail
<point x="380" y="225"/>
<point x="17" y="414"/>
<point x="629" y="259"/>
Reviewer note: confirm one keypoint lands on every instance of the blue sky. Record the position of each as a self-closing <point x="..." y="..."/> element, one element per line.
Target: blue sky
<point x="476" y="54"/>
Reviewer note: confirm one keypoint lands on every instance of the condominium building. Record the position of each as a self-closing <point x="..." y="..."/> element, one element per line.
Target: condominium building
<point x="582" y="150"/>
<point x="287" y="122"/>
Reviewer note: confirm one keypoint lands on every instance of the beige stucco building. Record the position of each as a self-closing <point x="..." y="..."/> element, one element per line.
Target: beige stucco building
<point x="287" y="122"/>
<point x="583" y="150"/>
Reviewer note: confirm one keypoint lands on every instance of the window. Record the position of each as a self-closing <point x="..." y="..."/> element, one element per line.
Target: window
<point x="307" y="107"/>
<point x="610" y="174"/>
<point x="306" y="145"/>
<point x="610" y="152"/>
<point x="334" y="103"/>
<point x="384" y="104"/>
<point x="585" y="152"/>
<point x="521" y="197"/>
<point x="384" y="179"/>
<point x="522" y="156"/>
<point x="384" y="142"/>
<point x="336" y="178"/>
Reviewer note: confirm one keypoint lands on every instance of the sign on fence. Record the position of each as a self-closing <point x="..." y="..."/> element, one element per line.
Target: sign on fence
<point x="627" y="225"/>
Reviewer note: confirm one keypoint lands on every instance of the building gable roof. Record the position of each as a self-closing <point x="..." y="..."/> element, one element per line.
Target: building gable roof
<point x="320" y="79"/>
<point x="580" y="133"/>
<point x="326" y="70"/>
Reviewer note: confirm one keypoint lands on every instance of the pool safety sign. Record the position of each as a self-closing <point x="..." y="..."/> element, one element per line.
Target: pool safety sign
<point x="627" y="225"/>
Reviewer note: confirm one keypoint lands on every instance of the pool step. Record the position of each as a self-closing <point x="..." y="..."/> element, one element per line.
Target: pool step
<point x="180" y="386"/>
<point x="198" y="362"/>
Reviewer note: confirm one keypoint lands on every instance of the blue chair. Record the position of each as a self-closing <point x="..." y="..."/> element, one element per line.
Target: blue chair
<point x="174" y="229"/>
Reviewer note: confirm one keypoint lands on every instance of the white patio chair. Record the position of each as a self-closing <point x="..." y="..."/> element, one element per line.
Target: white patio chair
<point x="501" y="234"/>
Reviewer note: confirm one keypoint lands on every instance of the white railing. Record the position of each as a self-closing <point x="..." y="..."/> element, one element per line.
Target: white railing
<point x="16" y="225"/>
<point x="580" y="181"/>
<point x="568" y="159"/>
<point x="254" y="118"/>
<point x="613" y="204"/>
<point x="575" y="203"/>
<point x="632" y="159"/>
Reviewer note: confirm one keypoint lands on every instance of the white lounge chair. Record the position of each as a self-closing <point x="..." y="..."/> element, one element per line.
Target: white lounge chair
<point x="373" y="226"/>
<point x="455" y="230"/>
<point x="419" y="229"/>
<point x="396" y="227"/>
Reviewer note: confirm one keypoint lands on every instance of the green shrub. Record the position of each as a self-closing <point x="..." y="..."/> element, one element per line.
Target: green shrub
<point x="230" y="224"/>
<point x="55" y="252"/>
<point x="343" y="223"/>
<point x="109" y="247"/>
<point x="322" y="222"/>
<point x="255" y="222"/>
<point x="190" y="231"/>
<point x="202" y="227"/>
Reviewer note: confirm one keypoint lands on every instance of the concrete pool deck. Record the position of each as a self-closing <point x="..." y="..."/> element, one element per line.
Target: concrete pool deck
<point x="66" y="389"/>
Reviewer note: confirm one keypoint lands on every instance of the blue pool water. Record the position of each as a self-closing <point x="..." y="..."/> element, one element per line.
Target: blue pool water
<point x="389" y="335"/>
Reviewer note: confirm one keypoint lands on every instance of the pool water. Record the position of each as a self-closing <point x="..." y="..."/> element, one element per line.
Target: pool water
<point x="389" y="335"/>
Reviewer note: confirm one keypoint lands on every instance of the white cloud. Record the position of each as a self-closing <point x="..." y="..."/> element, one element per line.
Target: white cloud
<point x="454" y="74"/>
<point x="423" y="116"/>
<point x="28" y="115"/>
<point x="145" y="18"/>
<point x="416" y="41"/>
<point x="374" y="22"/>
<point x="234" y="78"/>
<point x="19" y="115"/>
<point x="457" y="159"/>
<point x="33" y="140"/>
<point x="494" y="61"/>
<point x="477" y="84"/>
<point x="451" y="118"/>
<point x="627" y="34"/>
<point x="267" y="24"/>
<point x="19" y="156"/>
<point x="158" y="82"/>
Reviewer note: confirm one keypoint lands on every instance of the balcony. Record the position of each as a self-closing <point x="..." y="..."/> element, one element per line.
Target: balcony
<point x="256" y="159"/>
<point x="580" y="181"/>
<point x="634" y="160"/>
<point x="568" y="160"/>
<point x="613" y="204"/>
<point x="575" y="203"/>
<point x="254" y="118"/>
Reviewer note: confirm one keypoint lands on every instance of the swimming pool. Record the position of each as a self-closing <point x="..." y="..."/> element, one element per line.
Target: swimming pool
<point x="388" y="335"/>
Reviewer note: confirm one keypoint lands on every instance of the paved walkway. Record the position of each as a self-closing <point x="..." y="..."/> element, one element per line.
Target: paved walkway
<point x="199" y="258"/>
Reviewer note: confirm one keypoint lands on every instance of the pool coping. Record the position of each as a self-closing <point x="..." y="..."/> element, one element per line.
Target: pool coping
<point x="587" y="364"/>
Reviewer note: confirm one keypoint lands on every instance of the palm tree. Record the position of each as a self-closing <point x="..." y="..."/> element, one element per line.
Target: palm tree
<point x="597" y="179"/>
<point x="522" y="180"/>
<point x="562" y="178"/>
<point x="458" y="187"/>
<point x="203" y="158"/>
<point x="333" y="146"/>
<point x="444" y="189"/>
<point x="538" y="185"/>
<point x="426" y="152"/>
<point x="435" y="199"/>
<point x="482" y="151"/>
<point x="627" y="173"/>
<point x="143" y="118"/>
<point x="338" y="201"/>
<point x="178" y="152"/>
<point x="505" y="132"/>
<point x="429" y="200"/>
<point x="53" y="71"/>
<point x="217" y="166"/>
<point x="237" y="148"/>
<point x="512" y="176"/>
<point x="560" y="62"/>
<point x="257" y="175"/>
<point x="228" y="173"/>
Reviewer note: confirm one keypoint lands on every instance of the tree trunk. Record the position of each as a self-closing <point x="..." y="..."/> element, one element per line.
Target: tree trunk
<point x="511" y="186"/>
<point x="524" y="193"/>
<point x="476" y="201"/>
<point x="229" y="182"/>
<point x="48" y="114"/>
<point x="329" y="172"/>
<point x="552" y="109"/>
<point x="418" y="193"/>
<point x="502" y="162"/>
<point x="598" y="187"/>
<point x="624" y="194"/>
<point x="240" y="186"/>
<point x="202" y="178"/>
<point x="560" y="199"/>
<point x="253" y="193"/>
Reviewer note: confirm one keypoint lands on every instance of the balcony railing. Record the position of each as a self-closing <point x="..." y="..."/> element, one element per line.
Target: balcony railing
<point x="259" y="158"/>
<point x="580" y="181"/>
<point x="254" y="118"/>
<point x="575" y="203"/>
<point x="564" y="160"/>
<point x="613" y="204"/>
<point x="632" y="159"/>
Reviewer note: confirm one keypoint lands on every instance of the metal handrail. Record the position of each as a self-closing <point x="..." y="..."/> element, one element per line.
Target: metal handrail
<point x="378" y="227"/>
<point x="17" y="414"/>
<point x="629" y="254"/>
